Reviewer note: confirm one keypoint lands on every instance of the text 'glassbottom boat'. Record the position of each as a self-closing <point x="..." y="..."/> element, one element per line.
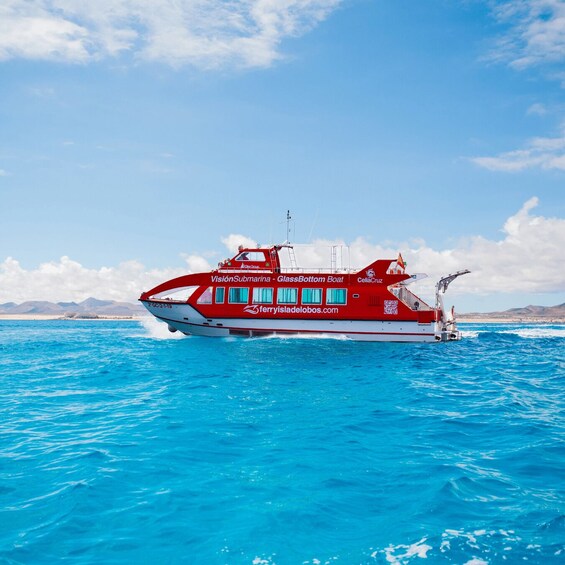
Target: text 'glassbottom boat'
<point x="252" y="295"/>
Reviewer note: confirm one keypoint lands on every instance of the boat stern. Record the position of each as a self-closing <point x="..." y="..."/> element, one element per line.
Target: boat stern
<point x="445" y="334"/>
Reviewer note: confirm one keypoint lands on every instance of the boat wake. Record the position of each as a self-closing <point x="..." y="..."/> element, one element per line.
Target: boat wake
<point x="157" y="330"/>
<point x="526" y="332"/>
<point x="470" y="334"/>
<point x="534" y="333"/>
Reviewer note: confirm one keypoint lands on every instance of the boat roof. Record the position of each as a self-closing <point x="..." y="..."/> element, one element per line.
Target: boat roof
<point x="268" y="260"/>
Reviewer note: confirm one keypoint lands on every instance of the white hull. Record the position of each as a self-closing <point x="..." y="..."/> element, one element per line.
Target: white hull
<point x="184" y="318"/>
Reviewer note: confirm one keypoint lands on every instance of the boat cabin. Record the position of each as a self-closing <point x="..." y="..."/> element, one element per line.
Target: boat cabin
<point x="253" y="283"/>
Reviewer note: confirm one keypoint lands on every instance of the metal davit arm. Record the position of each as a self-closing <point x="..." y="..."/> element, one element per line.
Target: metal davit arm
<point x="441" y="288"/>
<point x="444" y="282"/>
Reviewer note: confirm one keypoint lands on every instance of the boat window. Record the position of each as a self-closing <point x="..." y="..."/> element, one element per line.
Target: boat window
<point x="311" y="296"/>
<point x="251" y="256"/>
<point x="336" y="296"/>
<point x="287" y="296"/>
<point x="238" y="295"/>
<point x="262" y="296"/>
<point x="220" y="295"/>
<point x="177" y="294"/>
<point x="205" y="297"/>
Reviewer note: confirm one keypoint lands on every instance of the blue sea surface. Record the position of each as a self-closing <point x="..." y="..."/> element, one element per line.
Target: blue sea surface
<point x="121" y="444"/>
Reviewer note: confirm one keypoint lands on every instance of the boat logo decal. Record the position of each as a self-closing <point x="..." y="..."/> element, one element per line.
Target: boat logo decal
<point x="284" y="309"/>
<point x="369" y="277"/>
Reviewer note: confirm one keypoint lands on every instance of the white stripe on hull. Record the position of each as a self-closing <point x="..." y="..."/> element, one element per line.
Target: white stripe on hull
<point x="187" y="320"/>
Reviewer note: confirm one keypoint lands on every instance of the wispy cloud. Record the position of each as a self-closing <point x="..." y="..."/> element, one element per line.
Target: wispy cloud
<point x="3" y="173"/>
<point x="542" y="152"/>
<point x="203" y="33"/>
<point x="536" y="34"/>
<point x="35" y="91"/>
<point x="511" y="264"/>
<point x="536" y="109"/>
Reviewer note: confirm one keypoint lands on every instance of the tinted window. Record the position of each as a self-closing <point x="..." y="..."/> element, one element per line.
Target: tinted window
<point x="287" y="295"/>
<point x="238" y="295"/>
<point x="311" y="296"/>
<point x="262" y="296"/>
<point x="336" y="296"/>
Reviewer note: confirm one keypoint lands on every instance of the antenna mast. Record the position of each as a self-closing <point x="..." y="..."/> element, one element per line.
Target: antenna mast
<point x="288" y="218"/>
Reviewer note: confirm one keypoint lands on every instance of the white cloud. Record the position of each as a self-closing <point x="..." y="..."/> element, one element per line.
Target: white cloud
<point x="536" y="35"/>
<point x="197" y="264"/>
<point x="66" y="280"/>
<point x="527" y="259"/>
<point x="542" y="152"/>
<point x="536" y="109"/>
<point x="40" y="35"/>
<point x="204" y="33"/>
<point x="234" y="240"/>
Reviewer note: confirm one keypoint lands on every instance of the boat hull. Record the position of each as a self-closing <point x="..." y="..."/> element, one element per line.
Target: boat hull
<point x="184" y="318"/>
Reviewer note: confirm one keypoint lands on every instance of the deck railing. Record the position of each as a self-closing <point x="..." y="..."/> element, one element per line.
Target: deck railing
<point x="320" y="270"/>
<point x="410" y="299"/>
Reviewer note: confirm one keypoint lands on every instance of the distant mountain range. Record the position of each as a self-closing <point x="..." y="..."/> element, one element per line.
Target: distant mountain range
<point x="92" y="308"/>
<point x="541" y="313"/>
<point x="89" y="308"/>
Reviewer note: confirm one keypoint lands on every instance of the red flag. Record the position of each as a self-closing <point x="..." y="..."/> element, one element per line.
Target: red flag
<point x="400" y="262"/>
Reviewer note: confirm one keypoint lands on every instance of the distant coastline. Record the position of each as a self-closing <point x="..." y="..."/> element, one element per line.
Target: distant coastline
<point x="526" y="315"/>
<point x="94" y="309"/>
<point x="490" y="319"/>
<point x="39" y="317"/>
<point x="89" y="309"/>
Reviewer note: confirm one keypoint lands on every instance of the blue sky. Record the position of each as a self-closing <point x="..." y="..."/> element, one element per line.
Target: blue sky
<point x="140" y="131"/>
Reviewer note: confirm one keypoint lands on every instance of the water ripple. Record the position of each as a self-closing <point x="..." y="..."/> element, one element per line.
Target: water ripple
<point x="119" y="445"/>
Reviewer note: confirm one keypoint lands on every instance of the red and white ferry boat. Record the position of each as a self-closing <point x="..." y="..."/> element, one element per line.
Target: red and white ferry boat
<point x="251" y="295"/>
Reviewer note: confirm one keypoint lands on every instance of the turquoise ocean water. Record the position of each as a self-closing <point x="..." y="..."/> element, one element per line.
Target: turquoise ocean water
<point x="122" y="444"/>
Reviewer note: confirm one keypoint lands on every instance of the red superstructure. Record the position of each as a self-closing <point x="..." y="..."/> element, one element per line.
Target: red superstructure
<point x="252" y="295"/>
